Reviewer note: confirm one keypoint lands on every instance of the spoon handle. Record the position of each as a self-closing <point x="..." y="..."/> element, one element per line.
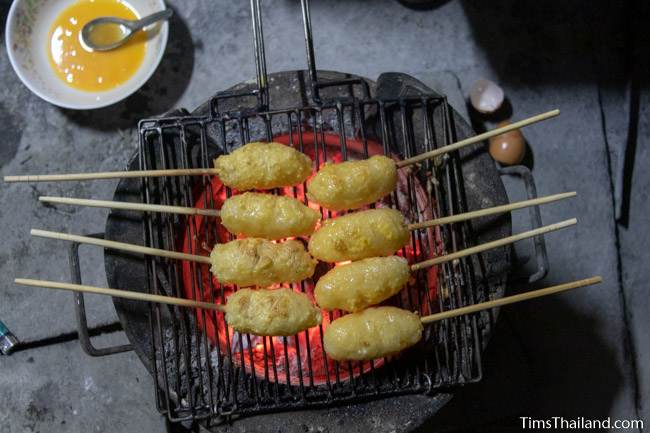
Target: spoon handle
<point x="150" y="19"/>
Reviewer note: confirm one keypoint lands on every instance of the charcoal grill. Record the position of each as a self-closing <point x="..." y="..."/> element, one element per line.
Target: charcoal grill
<point x="331" y="115"/>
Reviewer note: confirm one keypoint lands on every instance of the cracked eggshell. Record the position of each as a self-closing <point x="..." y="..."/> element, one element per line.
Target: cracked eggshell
<point x="486" y="96"/>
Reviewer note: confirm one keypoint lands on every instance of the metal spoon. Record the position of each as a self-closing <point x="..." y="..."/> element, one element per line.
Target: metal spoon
<point x="127" y="27"/>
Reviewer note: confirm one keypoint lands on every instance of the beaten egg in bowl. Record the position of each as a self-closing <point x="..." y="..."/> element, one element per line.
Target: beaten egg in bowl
<point x="81" y="67"/>
<point x="31" y="26"/>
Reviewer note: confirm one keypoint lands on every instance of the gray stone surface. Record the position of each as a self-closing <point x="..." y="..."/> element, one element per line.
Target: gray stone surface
<point x="563" y="336"/>
<point x="346" y="419"/>
<point x="635" y="256"/>
<point x="572" y="354"/>
<point x="633" y="236"/>
<point x="58" y="389"/>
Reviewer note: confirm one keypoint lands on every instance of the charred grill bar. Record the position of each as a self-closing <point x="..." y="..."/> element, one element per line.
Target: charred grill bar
<point x="233" y="386"/>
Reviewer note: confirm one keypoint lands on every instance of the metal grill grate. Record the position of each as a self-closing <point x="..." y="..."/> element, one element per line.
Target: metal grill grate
<point x="197" y="379"/>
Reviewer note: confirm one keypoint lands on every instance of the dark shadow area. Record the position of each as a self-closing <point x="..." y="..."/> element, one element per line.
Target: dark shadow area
<point x="69" y="336"/>
<point x="12" y="132"/>
<point x="637" y="62"/>
<point x="158" y="95"/>
<point x="531" y="44"/>
<point x="533" y="362"/>
<point x="422" y="5"/>
<point x="551" y="42"/>
<point x="529" y="157"/>
<point x="4" y="11"/>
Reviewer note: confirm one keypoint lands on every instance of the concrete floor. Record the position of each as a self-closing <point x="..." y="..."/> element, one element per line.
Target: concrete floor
<point x="579" y="354"/>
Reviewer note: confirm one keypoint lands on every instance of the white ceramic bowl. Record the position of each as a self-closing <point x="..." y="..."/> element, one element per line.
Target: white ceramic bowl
<point x="28" y="24"/>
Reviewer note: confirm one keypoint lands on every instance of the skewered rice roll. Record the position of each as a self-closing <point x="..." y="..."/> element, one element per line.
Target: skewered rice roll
<point x="263" y="166"/>
<point x="358" y="285"/>
<point x="259" y="262"/>
<point x="353" y="184"/>
<point x="267" y="216"/>
<point x="371" y="334"/>
<point x="356" y="236"/>
<point x="271" y="312"/>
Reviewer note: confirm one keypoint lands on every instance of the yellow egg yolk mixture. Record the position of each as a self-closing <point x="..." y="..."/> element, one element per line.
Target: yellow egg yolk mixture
<point x="88" y="70"/>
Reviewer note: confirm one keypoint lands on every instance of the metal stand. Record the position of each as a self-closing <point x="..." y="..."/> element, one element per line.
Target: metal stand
<point x="80" y="308"/>
<point x="535" y="218"/>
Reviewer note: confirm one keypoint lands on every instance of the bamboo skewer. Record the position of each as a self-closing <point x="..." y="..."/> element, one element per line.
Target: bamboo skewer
<point x="207" y="305"/>
<point x="112" y="175"/>
<point x="123" y="205"/>
<point x="493" y="244"/>
<point x="144" y="207"/>
<point x="477" y="138"/>
<point x="127" y="294"/>
<point x="139" y="249"/>
<point x="212" y="171"/>
<point x="510" y="300"/>
<point x="203" y="259"/>
<point x="491" y="210"/>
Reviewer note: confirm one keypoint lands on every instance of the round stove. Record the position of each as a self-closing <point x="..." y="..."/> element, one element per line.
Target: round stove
<point x="482" y="187"/>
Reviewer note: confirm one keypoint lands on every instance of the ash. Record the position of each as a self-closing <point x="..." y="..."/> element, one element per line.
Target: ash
<point x="189" y="365"/>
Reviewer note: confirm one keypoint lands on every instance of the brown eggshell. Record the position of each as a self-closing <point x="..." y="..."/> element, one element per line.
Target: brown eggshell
<point x="508" y="148"/>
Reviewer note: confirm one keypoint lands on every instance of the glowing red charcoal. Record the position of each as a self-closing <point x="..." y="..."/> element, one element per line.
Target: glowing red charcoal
<point x="287" y="355"/>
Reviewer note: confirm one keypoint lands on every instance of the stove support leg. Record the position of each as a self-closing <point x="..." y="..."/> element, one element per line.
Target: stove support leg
<point x="80" y="309"/>
<point x="536" y="219"/>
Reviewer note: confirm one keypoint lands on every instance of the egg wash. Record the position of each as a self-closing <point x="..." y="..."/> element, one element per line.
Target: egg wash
<point x="85" y="69"/>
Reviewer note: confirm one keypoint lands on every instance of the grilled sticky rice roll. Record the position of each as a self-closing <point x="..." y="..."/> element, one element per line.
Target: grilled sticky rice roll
<point x="358" y="285"/>
<point x="260" y="165"/>
<point x="267" y="216"/>
<point x="371" y="334"/>
<point x="353" y="184"/>
<point x="356" y="236"/>
<point x="273" y="312"/>
<point x="260" y="262"/>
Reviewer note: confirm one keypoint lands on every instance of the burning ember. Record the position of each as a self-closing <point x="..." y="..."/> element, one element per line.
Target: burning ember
<point x="284" y="359"/>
